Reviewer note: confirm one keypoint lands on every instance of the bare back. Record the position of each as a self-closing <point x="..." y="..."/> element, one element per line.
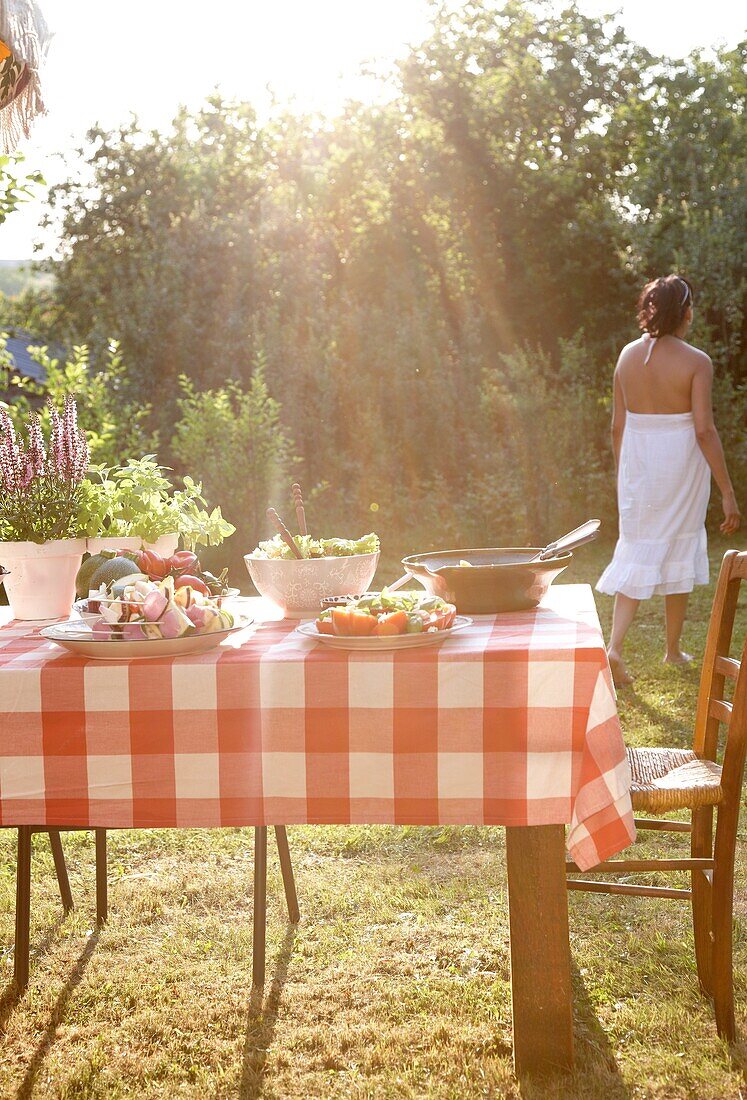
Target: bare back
<point x="662" y="381"/>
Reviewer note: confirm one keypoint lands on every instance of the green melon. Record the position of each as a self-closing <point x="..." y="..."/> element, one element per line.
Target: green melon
<point x="110" y="570"/>
<point x="86" y="571"/>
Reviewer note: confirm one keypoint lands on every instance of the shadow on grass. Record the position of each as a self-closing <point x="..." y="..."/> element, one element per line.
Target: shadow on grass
<point x="26" y="1087"/>
<point x="596" y="1072"/>
<point x="10" y="996"/>
<point x="679" y="734"/>
<point x="594" y="1052"/>
<point x="260" y="1027"/>
<point x="738" y="1059"/>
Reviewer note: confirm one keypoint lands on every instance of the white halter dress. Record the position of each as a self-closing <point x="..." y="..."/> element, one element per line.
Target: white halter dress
<point x="663" y="488"/>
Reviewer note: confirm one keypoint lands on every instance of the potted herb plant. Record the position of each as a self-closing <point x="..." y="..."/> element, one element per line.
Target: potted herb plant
<point x="134" y="506"/>
<point x="40" y="493"/>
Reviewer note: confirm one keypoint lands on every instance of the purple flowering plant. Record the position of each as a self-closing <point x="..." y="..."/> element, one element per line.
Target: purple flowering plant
<point x="40" y="480"/>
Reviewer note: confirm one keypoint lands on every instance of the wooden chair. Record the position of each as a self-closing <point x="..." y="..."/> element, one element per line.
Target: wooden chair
<point x="23" y="893"/>
<point x="665" y="780"/>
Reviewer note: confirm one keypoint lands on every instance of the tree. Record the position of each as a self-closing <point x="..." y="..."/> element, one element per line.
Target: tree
<point x="15" y="188"/>
<point x="531" y="169"/>
<point x="686" y="191"/>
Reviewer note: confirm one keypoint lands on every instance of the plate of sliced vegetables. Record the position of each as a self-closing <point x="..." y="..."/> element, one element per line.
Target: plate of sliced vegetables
<point x="139" y="618"/>
<point x="80" y="639"/>
<point x="383" y="620"/>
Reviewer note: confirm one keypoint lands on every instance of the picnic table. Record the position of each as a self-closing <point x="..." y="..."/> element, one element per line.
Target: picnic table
<point x="511" y="721"/>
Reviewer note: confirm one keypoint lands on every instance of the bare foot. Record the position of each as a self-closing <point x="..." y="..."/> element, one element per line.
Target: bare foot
<point x="620" y="675"/>
<point x="678" y="658"/>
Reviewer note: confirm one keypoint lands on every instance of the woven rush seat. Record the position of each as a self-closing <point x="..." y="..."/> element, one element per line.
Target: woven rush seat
<point x="672" y="779"/>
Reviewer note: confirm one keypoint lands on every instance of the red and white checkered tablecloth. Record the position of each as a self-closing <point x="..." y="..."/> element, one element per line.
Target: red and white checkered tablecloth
<point x="511" y="721"/>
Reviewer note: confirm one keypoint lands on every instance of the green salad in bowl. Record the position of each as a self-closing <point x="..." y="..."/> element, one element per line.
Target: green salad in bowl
<point x="309" y="547"/>
<point x="326" y="567"/>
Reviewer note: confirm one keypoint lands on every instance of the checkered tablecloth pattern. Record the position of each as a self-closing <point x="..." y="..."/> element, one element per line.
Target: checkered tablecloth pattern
<point x="511" y="721"/>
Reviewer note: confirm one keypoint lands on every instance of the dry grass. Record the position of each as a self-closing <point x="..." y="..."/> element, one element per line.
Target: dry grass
<point x="396" y="982"/>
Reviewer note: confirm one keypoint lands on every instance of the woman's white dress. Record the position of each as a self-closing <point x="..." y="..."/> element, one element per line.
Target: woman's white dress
<point x="663" y="487"/>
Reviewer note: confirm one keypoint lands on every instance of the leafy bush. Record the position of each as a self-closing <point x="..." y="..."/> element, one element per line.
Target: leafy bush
<point x="116" y="426"/>
<point x="550" y="424"/>
<point x="235" y="438"/>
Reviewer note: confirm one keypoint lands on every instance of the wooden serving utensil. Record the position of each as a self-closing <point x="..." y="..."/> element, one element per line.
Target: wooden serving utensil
<point x="284" y="533"/>
<point x="300" y="512"/>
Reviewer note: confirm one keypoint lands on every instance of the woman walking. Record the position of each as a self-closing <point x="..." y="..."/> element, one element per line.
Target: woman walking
<point x="666" y="448"/>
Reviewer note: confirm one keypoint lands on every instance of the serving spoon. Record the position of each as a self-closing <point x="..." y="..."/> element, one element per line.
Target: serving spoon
<point x="585" y="533"/>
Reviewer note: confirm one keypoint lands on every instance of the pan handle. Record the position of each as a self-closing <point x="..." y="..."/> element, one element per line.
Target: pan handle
<point x="402" y="581"/>
<point x="580" y="535"/>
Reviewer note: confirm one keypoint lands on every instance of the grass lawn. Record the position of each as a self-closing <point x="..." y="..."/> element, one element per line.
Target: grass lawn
<point x="395" y="984"/>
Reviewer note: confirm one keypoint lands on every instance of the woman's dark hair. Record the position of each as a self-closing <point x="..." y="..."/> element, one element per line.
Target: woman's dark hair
<point x="663" y="304"/>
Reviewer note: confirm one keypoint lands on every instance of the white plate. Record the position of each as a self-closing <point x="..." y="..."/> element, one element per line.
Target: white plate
<point x="78" y="638"/>
<point x="372" y="644"/>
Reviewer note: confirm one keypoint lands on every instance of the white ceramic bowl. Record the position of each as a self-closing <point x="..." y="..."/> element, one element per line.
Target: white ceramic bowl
<point x="297" y="585"/>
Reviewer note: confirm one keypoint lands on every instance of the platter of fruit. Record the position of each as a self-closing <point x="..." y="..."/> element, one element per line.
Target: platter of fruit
<point x="137" y="617"/>
<point x="107" y="573"/>
<point x="384" y="620"/>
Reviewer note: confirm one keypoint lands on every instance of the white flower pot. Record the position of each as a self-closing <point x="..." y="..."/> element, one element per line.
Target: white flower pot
<point x="41" y="579"/>
<point x="110" y="542"/>
<point x="166" y="545"/>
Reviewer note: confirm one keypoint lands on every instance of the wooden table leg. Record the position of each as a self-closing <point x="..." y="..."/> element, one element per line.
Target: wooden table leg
<point x="102" y="885"/>
<point x="23" y="909"/>
<point x="260" y="906"/>
<point x="61" y="869"/>
<point x="540" y="950"/>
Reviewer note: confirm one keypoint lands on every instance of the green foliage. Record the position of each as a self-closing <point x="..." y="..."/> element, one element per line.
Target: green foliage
<point x="15" y="277"/>
<point x="436" y="287"/>
<point x="139" y="499"/>
<point x="551" y="431"/>
<point x="687" y="138"/>
<point x="115" y="425"/>
<point x="15" y="187"/>
<point x="235" y="439"/>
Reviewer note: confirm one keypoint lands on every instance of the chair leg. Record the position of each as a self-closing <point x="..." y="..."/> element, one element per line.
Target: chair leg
<point x="23" y="909"/>
<point x="723" y="965"/>
<point x="61" y="869"/>
<point x="260" y="906"/>
<point x="702" y="847"/>
<point x="286" y="869"/>
<point x="102" y="894"/>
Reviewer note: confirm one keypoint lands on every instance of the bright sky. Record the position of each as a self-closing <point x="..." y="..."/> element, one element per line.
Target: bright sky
<point x="110" y="58"/>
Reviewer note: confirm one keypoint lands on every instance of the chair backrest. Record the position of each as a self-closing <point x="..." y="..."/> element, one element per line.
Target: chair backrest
<point x="718" y="667"/>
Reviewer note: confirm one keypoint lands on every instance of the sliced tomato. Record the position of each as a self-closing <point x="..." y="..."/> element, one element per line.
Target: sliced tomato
<point x="442" y="620"/>
<point x="341" y="621"/>
<point x="361" y="623"/>
<point x="324" y="626"/>
<point x="394" y="623"/>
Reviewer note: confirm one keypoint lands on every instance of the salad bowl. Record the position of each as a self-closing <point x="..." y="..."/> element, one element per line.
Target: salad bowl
<point x="329" y="567"/>
<point x="298" y="585"/>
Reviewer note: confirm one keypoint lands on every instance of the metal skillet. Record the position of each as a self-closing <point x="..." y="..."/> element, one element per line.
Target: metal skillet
<point x="496" y="578"/>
